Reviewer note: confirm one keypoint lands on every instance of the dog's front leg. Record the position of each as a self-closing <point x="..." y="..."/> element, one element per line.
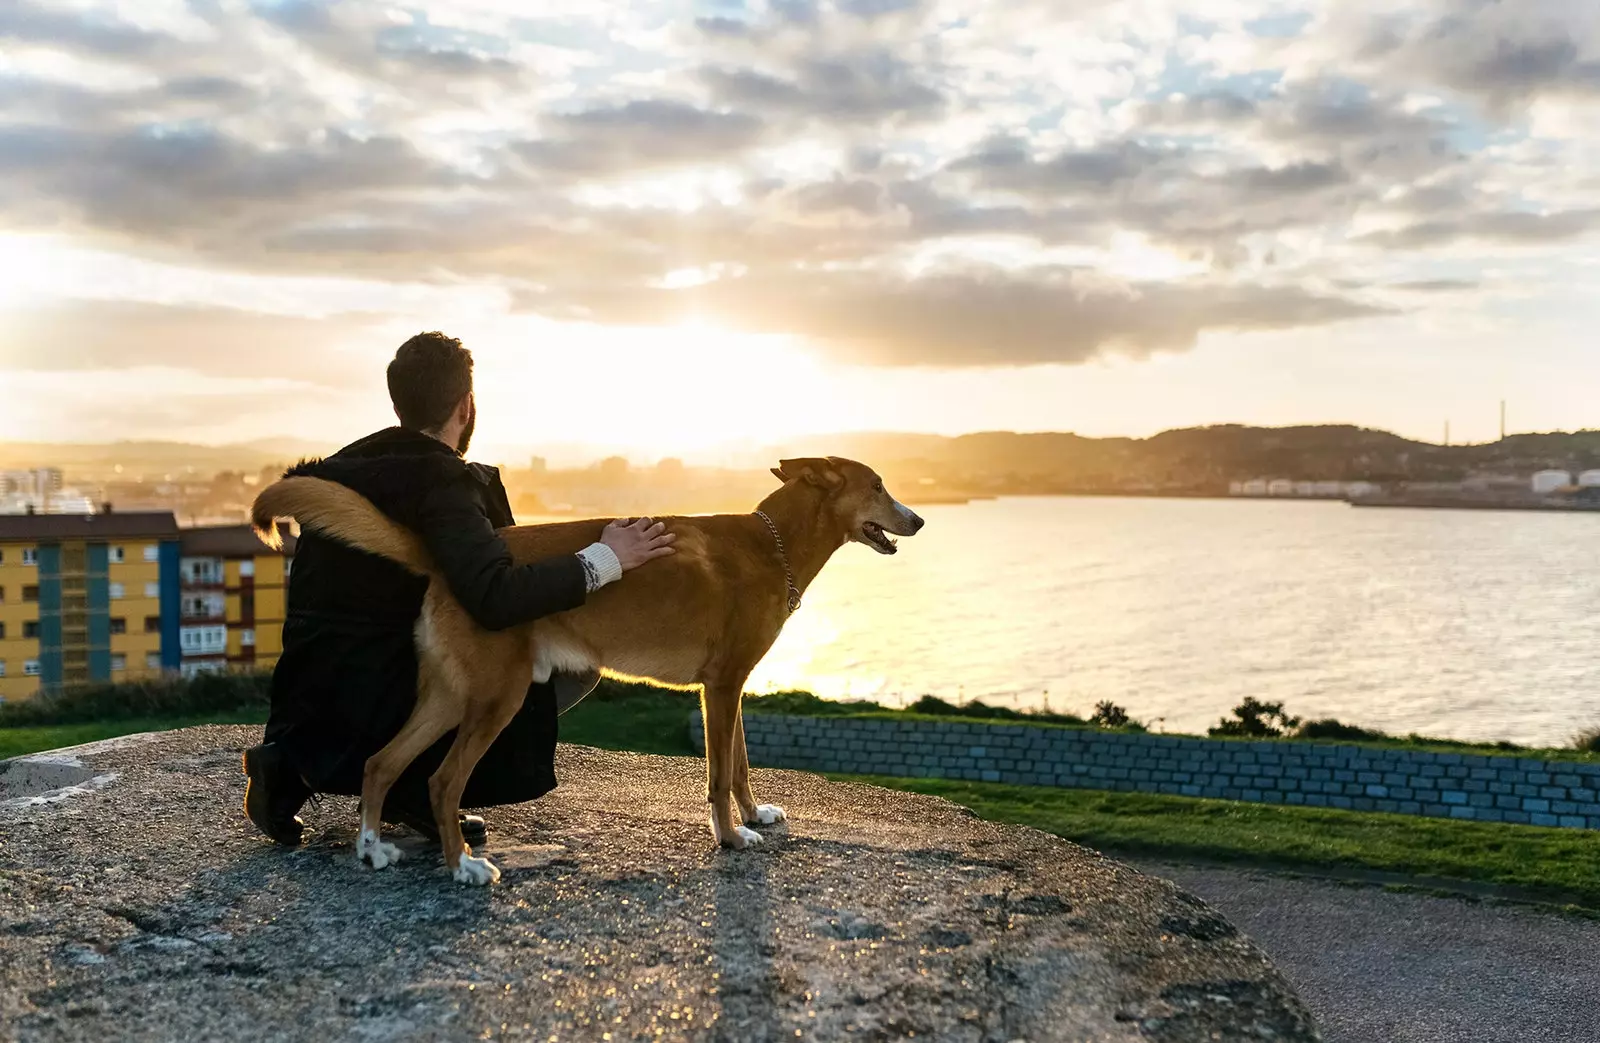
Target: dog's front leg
<point x="754" y="814"/>
<point x="720" y="708"/>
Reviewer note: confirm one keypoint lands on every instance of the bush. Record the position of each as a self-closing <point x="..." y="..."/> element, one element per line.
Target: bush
<point x="806" y="705"/>
<point x="1109" y="715"/>
<point x="166" y="697"/>
<point x="1587" y="740"/>
<point x="1256" y="719"/>
<point x="1329" y="728"/>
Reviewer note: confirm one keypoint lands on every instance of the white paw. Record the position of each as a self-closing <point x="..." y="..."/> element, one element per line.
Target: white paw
<point x="748" y="835"/>
<point x="767" y="814"/>
<point x="476" y="871"/>
<point x="370" y="848"/>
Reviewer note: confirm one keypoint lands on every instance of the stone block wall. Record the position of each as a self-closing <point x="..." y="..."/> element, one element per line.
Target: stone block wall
<point x="1360" y="778"/>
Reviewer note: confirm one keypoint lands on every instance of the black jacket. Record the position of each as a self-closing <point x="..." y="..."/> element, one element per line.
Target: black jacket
<point x="346" y="680"/>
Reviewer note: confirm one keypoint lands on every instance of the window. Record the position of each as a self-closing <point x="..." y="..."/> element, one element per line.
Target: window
<point x="247" y="605"/>
<point x="152" y="590"/>
<point x="118" y="661"/>
<point x="30" y="555"/>
<point x="30" y="668"/>
<point x="152" y="660"/>
<point x="115" y="556"/>
<point x="2" y="667"/>
<point x="119" y="625"/>
<point x="30" y="593"/>
<point x="152" y="552"/>
<point x="209" y="640"/>
<point x="116" y="592"/>
<point x="247" y="637"/>
<point x="247" y="568"/>
<point x="152" y="624"/>
<point x="2" y="594"/>
<point x="30" y="629"/>
<point x="2" y="631"/>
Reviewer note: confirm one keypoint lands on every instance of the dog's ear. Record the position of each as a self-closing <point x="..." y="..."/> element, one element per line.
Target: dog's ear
<point x="812" y="470"/>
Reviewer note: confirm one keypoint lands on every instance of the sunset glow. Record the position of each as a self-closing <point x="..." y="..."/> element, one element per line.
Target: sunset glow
<point x="669" y="226"/>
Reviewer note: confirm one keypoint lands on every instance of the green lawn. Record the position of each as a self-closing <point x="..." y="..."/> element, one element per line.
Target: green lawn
<point x="1551" y="865"/>
<point x="651" y="721"/>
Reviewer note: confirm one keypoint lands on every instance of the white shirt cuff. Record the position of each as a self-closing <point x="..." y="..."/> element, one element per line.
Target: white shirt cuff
<point x="600" y="566"/>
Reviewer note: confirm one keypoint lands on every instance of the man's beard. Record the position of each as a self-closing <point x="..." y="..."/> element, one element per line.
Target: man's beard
<point x="466" y="433"/>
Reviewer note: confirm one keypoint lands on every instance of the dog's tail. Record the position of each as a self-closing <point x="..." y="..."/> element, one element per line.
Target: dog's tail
<point x="340" y="513"/>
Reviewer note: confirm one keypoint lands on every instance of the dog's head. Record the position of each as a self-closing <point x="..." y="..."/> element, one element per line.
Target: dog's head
<point x="856" y="499"/>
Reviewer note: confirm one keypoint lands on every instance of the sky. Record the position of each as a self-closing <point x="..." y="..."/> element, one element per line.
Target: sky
<point x="668" y="225"/>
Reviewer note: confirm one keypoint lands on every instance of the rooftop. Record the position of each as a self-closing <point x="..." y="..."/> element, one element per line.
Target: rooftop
<point x="51" y="527"/>
<point x="231" y="541"/>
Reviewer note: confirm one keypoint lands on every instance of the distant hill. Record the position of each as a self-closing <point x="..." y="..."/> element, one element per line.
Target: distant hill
<point x="1192" y="460"/>
<point x="1200" y="459"/>
<point x="98" y="461"/>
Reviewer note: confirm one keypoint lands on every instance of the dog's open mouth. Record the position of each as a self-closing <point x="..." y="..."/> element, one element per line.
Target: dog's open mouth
<point x="873" y="535"/>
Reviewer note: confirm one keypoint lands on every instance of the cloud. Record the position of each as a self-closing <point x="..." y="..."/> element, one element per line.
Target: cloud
<point x="897" y="181"/>
<point x="965" y="319"/>
<point x="640" y="135"/>
<point x="1507" y="229"/>
<point x="1505" y="53"/>
<point x="80" y="336"/>
<point x="91" y="32"/>
<point x="867" y="86"/>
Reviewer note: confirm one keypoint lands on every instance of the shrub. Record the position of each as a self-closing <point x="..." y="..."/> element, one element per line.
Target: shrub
<point x="1109" y="715"/>
<point x="1329" y="728"/>
<point x="1256" y="719"/>
<point x="166" y="697"/>
<point x="1587" y="740"/>
<point x="807" y="705"/>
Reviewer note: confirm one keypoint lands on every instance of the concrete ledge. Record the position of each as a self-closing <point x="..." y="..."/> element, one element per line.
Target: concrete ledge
<point x="1473" y="787"/>
<point x="149" y="910"/>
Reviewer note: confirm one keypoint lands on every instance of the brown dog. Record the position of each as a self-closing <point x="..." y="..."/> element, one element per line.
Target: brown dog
<point x="702" y="618"/>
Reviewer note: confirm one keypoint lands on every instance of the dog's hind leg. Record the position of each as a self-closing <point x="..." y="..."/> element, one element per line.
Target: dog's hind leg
<point x="754" y="814"/>
<point x="435" y="714"/>
<point x="720" y="707"/>
<point x="482" y="724"/>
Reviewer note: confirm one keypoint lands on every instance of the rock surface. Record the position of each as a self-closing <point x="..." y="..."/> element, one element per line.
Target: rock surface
<point x="136" y="903"/>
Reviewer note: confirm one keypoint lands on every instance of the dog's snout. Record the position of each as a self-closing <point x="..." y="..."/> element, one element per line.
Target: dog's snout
<point x="917" y="522"/>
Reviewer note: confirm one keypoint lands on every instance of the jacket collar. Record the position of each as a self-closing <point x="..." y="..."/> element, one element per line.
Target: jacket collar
<point x="397" y="441"/>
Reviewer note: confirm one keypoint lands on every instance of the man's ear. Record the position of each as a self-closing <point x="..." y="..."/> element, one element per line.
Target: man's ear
<point x="812" y="470"/>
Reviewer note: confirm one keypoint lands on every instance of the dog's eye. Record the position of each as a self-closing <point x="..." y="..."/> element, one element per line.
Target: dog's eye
<point x="878" y="488"/>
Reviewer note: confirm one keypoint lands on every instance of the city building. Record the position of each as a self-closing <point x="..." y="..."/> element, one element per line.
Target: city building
<point x="1550" y="481"/>
<point x="82" y="599"/>
<point x="124" y="596"/>
<point x="233" y="597"/>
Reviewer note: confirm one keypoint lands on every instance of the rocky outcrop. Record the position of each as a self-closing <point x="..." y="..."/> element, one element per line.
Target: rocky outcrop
<point x="138" y="904"/>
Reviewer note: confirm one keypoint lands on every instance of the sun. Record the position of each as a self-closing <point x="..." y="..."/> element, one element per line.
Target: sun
<point x="655" y="391"/>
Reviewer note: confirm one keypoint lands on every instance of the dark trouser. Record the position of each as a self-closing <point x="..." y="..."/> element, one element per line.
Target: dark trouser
<point x="342" y="690"/>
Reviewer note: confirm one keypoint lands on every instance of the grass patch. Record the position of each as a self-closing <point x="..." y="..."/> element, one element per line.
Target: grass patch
<point x="639" y="718"/>
<point x="14" y="742"/>
<point x="1552" y="865"/>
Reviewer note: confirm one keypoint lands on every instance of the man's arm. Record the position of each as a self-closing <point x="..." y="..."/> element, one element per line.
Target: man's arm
<point x="478" y="567"/>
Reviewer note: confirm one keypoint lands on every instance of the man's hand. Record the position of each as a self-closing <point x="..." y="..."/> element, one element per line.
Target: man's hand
<point x="636" y="541"/>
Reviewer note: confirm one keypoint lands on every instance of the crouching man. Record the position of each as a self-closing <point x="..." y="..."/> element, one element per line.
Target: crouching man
<point x="347" y="678"/>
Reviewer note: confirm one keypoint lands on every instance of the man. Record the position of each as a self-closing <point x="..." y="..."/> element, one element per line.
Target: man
<point x="347" y="678"/>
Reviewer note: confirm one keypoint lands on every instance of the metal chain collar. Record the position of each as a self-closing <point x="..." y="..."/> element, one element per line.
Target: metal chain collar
<point x="783" y="556"/>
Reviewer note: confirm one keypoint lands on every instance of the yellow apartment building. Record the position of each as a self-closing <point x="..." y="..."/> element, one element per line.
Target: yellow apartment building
<point x="82" y="599"/>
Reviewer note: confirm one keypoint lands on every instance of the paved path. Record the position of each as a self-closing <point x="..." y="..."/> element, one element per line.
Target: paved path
<point x="1378" y="967"/>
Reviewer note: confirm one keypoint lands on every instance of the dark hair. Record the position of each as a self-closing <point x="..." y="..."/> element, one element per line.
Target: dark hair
<point x="429" y="376"/>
